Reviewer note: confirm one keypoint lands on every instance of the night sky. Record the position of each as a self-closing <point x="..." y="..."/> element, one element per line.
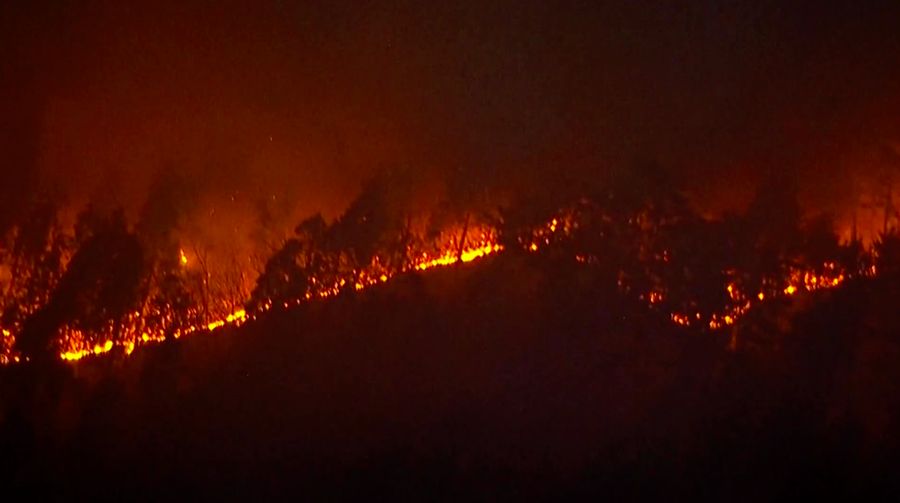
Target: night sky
<point x="298" y="102"/>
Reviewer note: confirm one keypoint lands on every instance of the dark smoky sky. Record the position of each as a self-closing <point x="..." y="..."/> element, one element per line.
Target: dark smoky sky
<point x="300" y="101"/>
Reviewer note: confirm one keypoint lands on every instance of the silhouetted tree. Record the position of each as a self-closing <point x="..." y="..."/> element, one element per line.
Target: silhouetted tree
<point x="518" y="221"/>
<point x="298" y="268"/>
<point x="466" y="202"/>
<point x="173" y="302"/>
<point x="633" y="224"/>
<point x="854" y="257"/>
<point x="887" y="253"/>
<point x="35" y="254"/>
<point x="171" y="292"/>
<point x="694" y="271"/>
<point x="100" y="286"/>
<point x="772" y="229"/>
<point x="282" y="280"/>
<point x="820" y="243"/>
<point x="312" y="236"/>
<point x="377" y="223"/>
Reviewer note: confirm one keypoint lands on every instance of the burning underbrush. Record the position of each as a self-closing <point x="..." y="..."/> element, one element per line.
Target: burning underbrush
<point x="110" y="287"/>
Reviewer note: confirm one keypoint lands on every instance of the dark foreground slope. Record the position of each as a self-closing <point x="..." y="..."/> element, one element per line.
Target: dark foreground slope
<point x="516" y="378"/>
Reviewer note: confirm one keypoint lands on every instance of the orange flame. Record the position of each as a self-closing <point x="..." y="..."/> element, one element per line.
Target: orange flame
<point x="137" y="331"/>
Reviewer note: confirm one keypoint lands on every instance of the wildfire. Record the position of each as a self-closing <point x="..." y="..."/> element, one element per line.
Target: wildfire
<point x="137" y="329"/>
<point x="135" y="333"/>
<point x="829" y="275"/>
<point x="131" y="336"/>
<point x="450" y="257"/>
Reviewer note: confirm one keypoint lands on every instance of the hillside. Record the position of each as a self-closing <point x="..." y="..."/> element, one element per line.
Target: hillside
<point x="517" y="376"/>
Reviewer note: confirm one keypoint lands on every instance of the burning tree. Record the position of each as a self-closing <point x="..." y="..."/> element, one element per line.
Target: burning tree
<point x="373" y="238"/>
<point x="98" y="291"/>
<point x="376" y="228"/>
<point x="294" y="271"/>
<point x="35" y="252"/>
<point x="35" y="256"/>
<point x="171" y="292"/>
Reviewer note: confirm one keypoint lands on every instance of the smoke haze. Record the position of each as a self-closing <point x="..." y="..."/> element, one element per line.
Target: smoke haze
<point x="291" y="105"/>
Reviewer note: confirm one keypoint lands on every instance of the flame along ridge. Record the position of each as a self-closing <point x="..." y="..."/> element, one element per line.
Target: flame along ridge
<point x="77" y="345"/>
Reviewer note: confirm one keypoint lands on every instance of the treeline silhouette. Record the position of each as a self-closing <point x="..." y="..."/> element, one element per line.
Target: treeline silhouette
<point x="551" y="369"/>
<point x="97" y="278"/>
<point x="110" y="280"/>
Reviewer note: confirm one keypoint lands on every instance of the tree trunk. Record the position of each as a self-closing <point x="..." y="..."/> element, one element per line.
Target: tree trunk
<point x="462" y="239"/>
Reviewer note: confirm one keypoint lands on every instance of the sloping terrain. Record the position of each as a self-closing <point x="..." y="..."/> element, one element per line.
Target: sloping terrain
<point x="517" y="377"/>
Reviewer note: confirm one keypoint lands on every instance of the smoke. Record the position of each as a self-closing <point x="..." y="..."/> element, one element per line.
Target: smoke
<point x="278" y="110"/>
